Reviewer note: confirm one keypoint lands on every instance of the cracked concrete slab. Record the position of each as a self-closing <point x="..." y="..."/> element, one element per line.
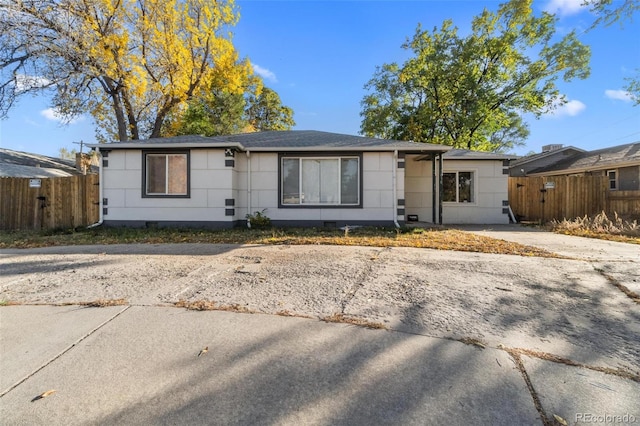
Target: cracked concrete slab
<point x="582" y="396"/>
<point x="32" y="336"/>
<point x="143" y="368"/>
<point x="561" y="306"/>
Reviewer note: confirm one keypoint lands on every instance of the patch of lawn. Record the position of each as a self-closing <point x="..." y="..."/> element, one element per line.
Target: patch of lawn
<point x="434" y="238"/>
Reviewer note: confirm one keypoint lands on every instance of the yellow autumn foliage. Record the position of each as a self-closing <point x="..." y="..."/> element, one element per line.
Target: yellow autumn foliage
<point x="132" y="62"/>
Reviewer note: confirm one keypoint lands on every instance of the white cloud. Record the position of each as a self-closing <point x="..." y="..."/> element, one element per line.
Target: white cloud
<point x="265" y="73"/>
<point x="569" y="109"/>
<point x="619" y="95"/>
<point x="54" y="115"/>
<point x="26" y="82"/>
<point x="565" y="7"/>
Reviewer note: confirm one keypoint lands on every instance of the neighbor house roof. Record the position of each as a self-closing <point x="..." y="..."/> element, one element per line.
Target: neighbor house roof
<point x="28" y="165"/>
<point x="606" y="158"/>
<point x="288" y="140"/>
<point x="564" y="151"/>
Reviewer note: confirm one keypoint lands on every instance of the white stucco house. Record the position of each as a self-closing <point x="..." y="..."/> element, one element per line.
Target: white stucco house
<point x="300" y="178"/>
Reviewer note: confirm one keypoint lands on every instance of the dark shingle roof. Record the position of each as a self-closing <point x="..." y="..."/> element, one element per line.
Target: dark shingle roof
<point x="596" y="160"/>
<point x="284" y="140"/>
<point x="465" y="154"/>
<point x="321" y="141"/>
<point x="569" y="150"/>
<point x="28" y="165"/>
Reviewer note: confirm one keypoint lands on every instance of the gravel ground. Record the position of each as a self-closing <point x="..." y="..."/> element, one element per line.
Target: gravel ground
<point x="564" y="307"/>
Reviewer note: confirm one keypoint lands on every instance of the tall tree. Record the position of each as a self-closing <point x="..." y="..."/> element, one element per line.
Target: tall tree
<point x="129" y="63"/>
<point x="221" y="113"/>
<point x="266" y="112"/>
<point x="470" y="92"/>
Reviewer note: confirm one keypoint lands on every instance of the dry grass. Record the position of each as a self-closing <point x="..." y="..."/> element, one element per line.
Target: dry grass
<point x="434" y="238"/>
<point x="102" y="303"/>
<point x="209" y="305"/>
<point x="600" y="226"/>
<point x="623" y="288"/>
<point x="620" y="372"/>
<point x="347" y="319"/>
<point x="473" y="342"/>
<point x="286" y="313"/>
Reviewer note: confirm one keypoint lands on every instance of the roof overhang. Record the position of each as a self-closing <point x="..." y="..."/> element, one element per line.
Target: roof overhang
<point x="150" y="145"/>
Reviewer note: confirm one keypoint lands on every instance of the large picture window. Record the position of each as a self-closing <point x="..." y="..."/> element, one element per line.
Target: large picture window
<point x="458" y="187"/>
<point x="324" y="181"/>
<point x="166" y="174"/>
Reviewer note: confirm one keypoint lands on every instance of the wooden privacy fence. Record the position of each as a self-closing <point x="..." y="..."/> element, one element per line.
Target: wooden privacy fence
<point x="64" y="202"/>
<point x="568" y="197"/>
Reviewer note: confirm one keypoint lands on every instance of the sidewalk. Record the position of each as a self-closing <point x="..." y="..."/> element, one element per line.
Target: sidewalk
<point x="566" y="245"/>
<point x="140" y="365"/>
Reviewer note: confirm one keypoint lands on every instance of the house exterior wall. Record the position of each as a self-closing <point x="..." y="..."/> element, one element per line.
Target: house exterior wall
<point x="629" y="178"/>
<point x="219" y="193"/>
<point x="418" y="184"/>
<point x="211" y="185"/>
<point x="377" y="193"/>
<point x="490" y="190"/>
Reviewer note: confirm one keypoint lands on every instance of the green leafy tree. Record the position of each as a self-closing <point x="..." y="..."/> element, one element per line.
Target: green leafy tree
<point x="266" y="112"/>
<point x="221" y="113"/>
<point x="470" y="92"/>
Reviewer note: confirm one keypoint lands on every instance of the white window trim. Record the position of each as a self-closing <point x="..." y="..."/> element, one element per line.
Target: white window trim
<point x="475" y="188"/>
<point x="330" y="157"/>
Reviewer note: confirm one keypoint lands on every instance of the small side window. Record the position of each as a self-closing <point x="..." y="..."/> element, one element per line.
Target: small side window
<point x="613" y="179"/>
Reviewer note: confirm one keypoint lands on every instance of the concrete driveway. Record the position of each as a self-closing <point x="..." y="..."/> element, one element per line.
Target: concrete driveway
<point x="470" y="338"/>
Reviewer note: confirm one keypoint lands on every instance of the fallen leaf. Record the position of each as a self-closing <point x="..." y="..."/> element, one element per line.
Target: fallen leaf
<point x="560" y="420"/>
<point x="44" y="395"/>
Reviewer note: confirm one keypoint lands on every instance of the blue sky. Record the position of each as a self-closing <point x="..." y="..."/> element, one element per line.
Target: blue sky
<point x="318" y="55"/>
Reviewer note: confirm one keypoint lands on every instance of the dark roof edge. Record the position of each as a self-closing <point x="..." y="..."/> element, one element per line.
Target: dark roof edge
<point x="540" y="155"/>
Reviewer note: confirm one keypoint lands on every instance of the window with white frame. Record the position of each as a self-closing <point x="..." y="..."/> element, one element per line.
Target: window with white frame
<point x="323" y="181"/>
<point x="166" y="174"/>
<point x="613" y="179"/>
<point x="458" y="187"/>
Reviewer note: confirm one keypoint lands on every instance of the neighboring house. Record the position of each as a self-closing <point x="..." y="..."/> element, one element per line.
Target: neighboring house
<point x="306" y="178"/>
<point x="621" y="164"/>
<point x="551" y="154"/>
<point x="27" y="165"/>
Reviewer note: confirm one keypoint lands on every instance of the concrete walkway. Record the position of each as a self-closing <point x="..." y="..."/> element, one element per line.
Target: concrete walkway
<point x="566" y="245"/>
<point x="616" y="261"/>
<point x="140" y="365"/>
